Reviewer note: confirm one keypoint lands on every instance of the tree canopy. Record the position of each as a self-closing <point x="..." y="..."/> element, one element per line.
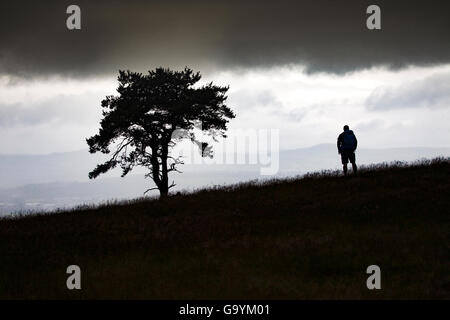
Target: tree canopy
<point x="140" y="121"/>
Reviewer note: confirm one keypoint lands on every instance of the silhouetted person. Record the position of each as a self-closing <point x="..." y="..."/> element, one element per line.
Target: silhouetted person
<point x="346" y="144"/>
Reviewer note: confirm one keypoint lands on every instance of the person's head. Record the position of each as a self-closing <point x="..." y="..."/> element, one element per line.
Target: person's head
<point x="346" y="128"/>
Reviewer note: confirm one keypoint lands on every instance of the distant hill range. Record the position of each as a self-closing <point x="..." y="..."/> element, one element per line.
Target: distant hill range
<point x="46" y="182"/>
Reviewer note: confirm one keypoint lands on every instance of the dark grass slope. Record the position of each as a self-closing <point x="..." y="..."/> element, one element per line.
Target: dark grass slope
<point x="310" y="237"/>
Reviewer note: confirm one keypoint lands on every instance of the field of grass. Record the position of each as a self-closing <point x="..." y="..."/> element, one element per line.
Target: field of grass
<point x="309" y="237"/>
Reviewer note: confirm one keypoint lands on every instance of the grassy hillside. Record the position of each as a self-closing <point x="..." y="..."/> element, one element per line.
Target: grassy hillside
<point x="310" y="237"/>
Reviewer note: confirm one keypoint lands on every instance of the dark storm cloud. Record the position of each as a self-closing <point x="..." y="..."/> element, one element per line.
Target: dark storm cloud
<point x="324" y="35"/>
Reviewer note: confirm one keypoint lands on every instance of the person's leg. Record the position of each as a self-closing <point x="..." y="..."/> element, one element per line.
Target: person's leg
<point x="353" y="161"/>
<point x="355" y="168"/>
<point x="344" y="160"/>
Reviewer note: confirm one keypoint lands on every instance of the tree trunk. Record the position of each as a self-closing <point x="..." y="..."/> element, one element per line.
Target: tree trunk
<point x="163" y="192"/>
<point x="164" y="189"/>
<point x="161" y="183"/>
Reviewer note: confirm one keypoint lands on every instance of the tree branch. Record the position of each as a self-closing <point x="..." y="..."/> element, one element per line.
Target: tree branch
<point x="155" y="188"/>
<point x="171" y="185"/>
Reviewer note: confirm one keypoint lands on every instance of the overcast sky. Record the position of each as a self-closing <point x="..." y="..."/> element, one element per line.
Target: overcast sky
<point x="303" y="67"/>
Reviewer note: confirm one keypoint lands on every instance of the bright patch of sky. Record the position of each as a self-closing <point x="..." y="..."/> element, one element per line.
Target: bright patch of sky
<point x="386" y="108"/>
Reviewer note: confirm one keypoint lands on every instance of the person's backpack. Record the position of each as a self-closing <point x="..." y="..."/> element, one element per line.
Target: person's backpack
<point x="349" y="141"/>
